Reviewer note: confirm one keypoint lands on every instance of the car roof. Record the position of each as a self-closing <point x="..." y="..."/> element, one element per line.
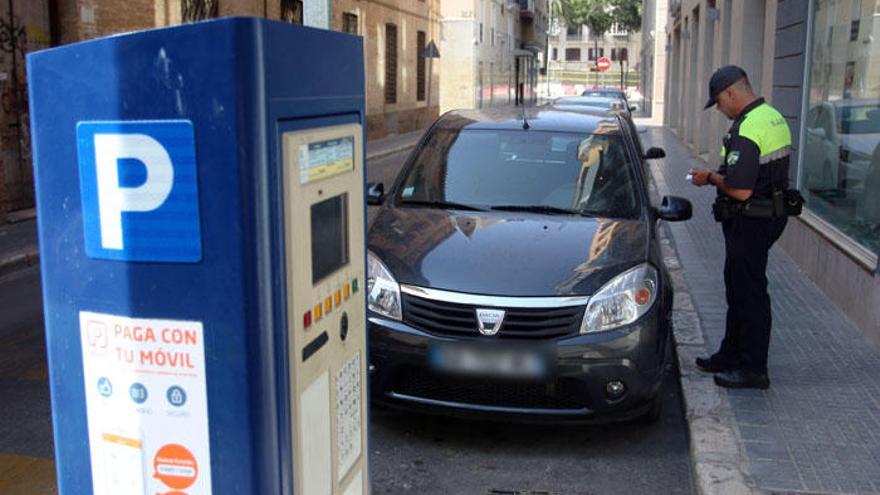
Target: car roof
<point x="603" y="91"/>
<point x="544" y="118"/>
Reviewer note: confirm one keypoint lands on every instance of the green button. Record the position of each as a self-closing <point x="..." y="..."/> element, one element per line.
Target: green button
<point x="354" y="285"/>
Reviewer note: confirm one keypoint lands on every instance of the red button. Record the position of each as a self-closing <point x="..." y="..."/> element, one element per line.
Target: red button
<point x="307" y="319"/>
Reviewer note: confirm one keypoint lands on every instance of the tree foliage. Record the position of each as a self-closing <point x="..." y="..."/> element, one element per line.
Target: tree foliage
<point x="599" y="15"/>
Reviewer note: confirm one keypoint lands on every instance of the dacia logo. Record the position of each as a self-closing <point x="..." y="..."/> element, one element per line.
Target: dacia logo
<point x="139" y="192"/>
<point x="489" y="320"/>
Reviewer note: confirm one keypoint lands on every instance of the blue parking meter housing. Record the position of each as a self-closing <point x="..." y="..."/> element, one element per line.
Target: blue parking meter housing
<point x="201" y="223"/>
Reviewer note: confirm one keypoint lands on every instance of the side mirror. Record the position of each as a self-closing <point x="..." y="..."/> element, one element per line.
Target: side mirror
<point x="633" y="108"/>
<point x="654" y="153"/>
<point x="375" y="193"/>
<point x="674" y="209"/>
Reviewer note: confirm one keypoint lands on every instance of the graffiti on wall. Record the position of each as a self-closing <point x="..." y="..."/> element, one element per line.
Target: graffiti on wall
<point x="23" y="28"/>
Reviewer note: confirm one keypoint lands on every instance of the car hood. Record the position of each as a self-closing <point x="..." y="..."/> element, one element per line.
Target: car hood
<point x="505" y="253"/>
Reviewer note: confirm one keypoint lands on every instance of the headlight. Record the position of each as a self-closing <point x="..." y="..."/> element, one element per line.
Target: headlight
<point x="383" y="292"/>
<point x="621" y="301"/>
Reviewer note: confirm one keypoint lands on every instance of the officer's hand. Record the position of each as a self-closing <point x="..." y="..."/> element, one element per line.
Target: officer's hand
<point x="701" y="176"/>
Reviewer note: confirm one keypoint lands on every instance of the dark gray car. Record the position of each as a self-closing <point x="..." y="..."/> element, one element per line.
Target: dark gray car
<point x="514" y="270"/>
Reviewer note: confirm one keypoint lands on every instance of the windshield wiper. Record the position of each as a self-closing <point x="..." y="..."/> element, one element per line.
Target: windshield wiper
<point x="443" y="204"/>
<point x="549" y="210"/>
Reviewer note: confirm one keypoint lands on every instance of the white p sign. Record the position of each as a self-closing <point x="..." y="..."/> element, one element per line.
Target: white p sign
<point x="139" y="189"/>
<point x="114" y="199"/>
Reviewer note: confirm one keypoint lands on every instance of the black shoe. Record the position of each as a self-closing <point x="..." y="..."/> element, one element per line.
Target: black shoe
<point x="711" y="364"/>
<point x="742" y="379"/>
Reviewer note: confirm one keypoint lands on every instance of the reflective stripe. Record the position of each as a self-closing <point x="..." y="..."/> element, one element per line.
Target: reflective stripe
<point x="767" y="128"/>
<point x="776" y="155"/>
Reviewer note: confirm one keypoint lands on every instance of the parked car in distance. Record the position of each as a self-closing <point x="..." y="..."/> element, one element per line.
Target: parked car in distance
<point x="841" y="136"/>
<point x="514" y="271"/>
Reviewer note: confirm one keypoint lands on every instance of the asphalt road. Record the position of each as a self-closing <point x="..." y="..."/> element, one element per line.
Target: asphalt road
<point x="410" y="453"/>
<point x="422" y="454"/>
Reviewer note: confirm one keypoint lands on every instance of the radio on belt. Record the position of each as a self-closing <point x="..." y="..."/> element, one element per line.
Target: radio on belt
<point x="200" y="192"/>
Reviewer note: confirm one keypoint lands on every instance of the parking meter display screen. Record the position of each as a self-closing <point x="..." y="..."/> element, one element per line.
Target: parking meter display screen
<point x="329" y="236"/>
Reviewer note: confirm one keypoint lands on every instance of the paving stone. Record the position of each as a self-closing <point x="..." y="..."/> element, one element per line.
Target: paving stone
<point x="823" y="406"/>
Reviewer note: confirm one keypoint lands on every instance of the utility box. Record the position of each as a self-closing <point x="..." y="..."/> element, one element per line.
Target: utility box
<point x="200" y="199"/>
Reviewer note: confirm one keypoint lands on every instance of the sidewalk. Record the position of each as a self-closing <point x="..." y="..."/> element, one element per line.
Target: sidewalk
<point x="18" y="241"/>
<point x="817" y="429"/>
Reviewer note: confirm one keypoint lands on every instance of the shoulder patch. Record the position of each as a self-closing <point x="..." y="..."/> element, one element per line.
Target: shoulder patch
<point x="732" y="158"/>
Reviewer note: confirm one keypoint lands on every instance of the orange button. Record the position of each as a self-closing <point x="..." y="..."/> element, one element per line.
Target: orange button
<point x="337" y="298"/>
<point x="346" y="291"/>
<point x="317" y="312"/>
<point x="328" y="305"/>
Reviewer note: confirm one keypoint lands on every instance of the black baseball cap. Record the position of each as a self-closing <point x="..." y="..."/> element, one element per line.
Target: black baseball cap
<point x="721" y="80"/>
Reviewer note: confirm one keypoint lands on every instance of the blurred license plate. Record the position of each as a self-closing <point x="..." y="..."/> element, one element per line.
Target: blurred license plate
<point x="489" y="360"/>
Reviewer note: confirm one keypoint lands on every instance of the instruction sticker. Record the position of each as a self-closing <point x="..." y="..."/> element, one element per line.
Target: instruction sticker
<point x="324" y="159"/>
<point x="146" y="404"/>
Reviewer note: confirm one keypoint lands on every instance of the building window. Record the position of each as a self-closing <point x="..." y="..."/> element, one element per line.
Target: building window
<point x="420" y="66"/>
<point x="839" y="166"/>
<point x="390" y="63"/>
<point x="591" y="55"/>
<point x="572" y="54"/>
<point x="614" y="54"/>
<point x="623" y="55"/>
<point x="554" y="54"/>
<point x="481" y="32"/>
<point x="292" y="11"/>
<point x="349" y="23"/>
<point x="197" y="10"/>
<point x="492" y="33"/>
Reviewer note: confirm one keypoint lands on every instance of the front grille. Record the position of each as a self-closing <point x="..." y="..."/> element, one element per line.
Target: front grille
<point x="453" y="319"/>
<point x="563" y="393"/>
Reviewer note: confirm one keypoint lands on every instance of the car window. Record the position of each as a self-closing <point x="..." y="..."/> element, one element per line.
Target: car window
<point x="589" y="173"/>
<point x="862" y="119"/>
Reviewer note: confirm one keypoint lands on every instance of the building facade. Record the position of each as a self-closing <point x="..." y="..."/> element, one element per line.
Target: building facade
<point x="491" y="52"/>
<point x="574" y="52"/>
<point x="652" y="57"/>
<point x="818" y="62"/>
<point x="395" y="33"/>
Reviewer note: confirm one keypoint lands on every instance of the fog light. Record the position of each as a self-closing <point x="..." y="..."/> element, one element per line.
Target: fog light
<point x="615" y="389"/>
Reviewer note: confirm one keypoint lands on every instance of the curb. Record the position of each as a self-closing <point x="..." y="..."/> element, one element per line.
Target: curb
<point x="19" y="259"/>
<point x="718" y="459"/>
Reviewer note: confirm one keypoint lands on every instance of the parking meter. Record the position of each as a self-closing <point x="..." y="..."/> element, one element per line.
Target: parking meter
<point x="201" y="225"/>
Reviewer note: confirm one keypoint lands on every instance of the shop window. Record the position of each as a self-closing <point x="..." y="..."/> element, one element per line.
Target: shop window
<point x="839" y="167"/>
<point x="390" y="63"/>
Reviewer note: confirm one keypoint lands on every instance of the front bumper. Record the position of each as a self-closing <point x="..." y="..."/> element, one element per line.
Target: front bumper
<point x="402" y="374"/>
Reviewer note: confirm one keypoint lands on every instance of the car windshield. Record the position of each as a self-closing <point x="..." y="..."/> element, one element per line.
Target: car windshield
<point x="862" y="119"/>
<point x="599" y="92"/>
<point x="545" y="172"/>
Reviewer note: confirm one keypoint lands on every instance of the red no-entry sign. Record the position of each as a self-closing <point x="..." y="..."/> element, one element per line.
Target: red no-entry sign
<point x="603" y="64"/>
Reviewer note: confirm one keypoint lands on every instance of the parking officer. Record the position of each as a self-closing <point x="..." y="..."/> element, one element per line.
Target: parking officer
<point x="750" y="183"/>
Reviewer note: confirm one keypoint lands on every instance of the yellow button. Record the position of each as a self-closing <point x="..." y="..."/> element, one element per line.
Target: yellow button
<point x="328" y="305"/>
<point x="337" y="298"/>
<point x="317" y="312"/>
<point x="346" y="291"/>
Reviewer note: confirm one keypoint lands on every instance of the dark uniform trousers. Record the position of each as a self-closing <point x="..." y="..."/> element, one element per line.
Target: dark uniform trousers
<point x="747" y="243"/>
<point x="755" y="156"/>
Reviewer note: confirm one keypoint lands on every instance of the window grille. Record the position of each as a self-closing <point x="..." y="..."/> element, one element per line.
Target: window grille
<point x="197" y="10"/>
<point x="420" y="66"/>
<point x="292" y="11"/>
<point x="350" y="23"/>
<point x="390" y="63"/>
